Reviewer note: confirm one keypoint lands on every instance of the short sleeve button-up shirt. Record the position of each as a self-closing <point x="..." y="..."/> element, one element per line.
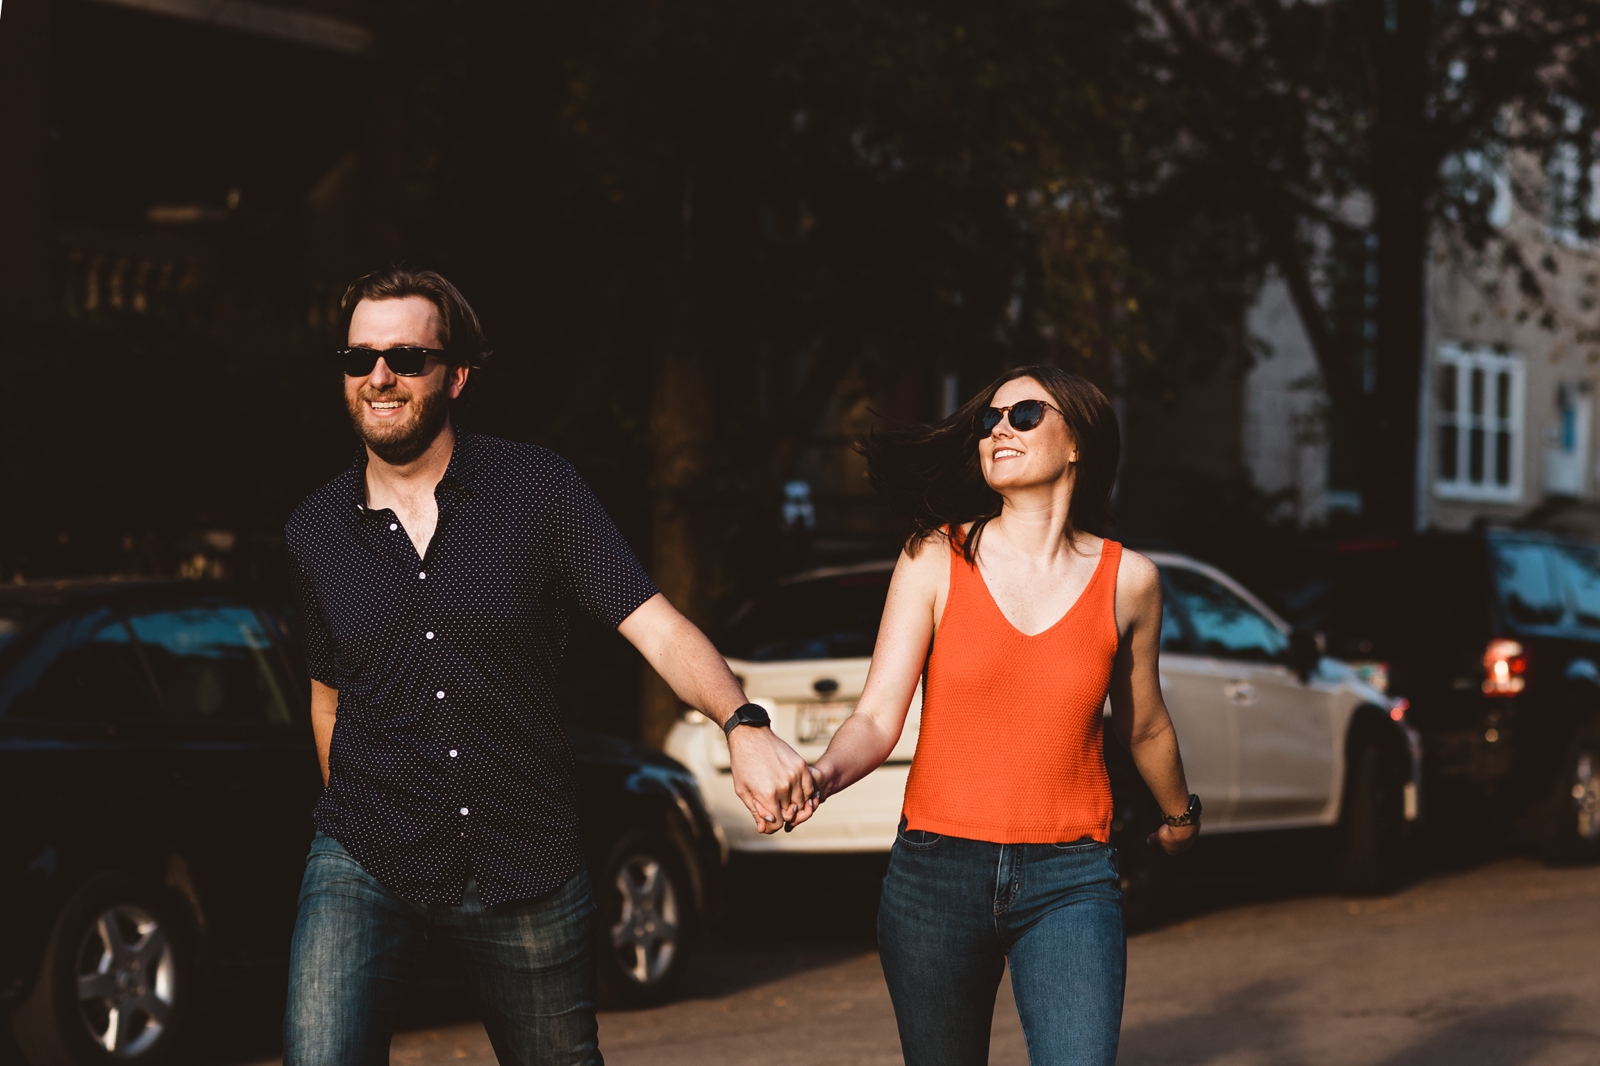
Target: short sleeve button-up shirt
<point x="448" y="754"/>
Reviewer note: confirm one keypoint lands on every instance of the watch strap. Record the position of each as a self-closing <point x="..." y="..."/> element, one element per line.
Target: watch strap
<point x="1188" y="817"/>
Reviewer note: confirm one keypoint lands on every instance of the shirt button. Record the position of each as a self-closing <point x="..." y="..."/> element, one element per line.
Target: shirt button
<point x="439" y="694"/>
<point x="429" y="634"/>
<point x="423" y="576"/>
<point x="463" y="810"/>
<point x="453" y="753"/>
<point x="394" y="525"/>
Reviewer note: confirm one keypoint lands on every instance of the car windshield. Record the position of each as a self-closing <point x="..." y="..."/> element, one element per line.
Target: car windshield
<point x="833" y="617"/>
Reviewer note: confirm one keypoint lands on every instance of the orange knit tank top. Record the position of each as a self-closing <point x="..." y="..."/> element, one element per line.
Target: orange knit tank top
<point x="1012" y="733"/>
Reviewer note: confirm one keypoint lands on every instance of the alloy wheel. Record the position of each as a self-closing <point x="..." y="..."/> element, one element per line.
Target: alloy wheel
<point x="645" y="935"/>
<point x="126" y="981"/>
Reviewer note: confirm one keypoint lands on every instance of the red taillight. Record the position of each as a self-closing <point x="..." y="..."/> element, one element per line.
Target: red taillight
<point x="1503" y="666"/>
<point x="1398" y="711"/>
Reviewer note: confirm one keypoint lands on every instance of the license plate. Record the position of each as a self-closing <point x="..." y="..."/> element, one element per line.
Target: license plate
<point x="817" y="722"/>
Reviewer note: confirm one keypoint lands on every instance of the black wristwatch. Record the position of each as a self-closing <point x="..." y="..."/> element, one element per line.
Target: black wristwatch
<point x="1188" y="817"/>
<point x="750" y="714"/>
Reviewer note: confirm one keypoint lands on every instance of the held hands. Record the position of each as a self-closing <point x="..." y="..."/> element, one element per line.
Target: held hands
<point x="771" y="779"/>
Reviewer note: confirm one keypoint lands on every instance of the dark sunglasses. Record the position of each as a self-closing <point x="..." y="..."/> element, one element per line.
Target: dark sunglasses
<point x="1025" y="415"/>
<point x="406" y="362"/>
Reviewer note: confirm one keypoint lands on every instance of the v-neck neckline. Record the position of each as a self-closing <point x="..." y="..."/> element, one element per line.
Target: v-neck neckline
<point x="1082" y="595"/>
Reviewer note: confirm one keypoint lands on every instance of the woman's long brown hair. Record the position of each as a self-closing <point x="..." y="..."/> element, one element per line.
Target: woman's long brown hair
<point x="931" y="475"/>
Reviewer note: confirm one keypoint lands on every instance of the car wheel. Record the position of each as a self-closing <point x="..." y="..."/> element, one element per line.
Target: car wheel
<point x="1571" y="830"/>
<point x="645" y="903"/>
<point x="1368" y="860"/>
<point x="115" y="981"/>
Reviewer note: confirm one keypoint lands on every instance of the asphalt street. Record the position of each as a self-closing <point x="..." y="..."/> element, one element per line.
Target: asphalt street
<point x="1487" y="959"/>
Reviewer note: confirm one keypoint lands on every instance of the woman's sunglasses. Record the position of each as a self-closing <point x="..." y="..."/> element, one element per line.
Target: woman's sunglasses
<point x="1025" y="415"/>
<point x="406" y="362"/>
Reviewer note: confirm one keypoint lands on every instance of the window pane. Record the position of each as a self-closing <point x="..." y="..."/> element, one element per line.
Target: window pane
<point x="1449" y="441"/>
<point x="1447" y="388"/>
<point x="1502" y="458"/>
<point x="1475" y="456"/>
<point x="1476" y="405"/>
<point x="212" y="664"/>
<point x="1579" y="569"/>
<point x="1502" y="396"/>
<point x="1522" y="572"/>
<point x="82" y="670"/>
<point x="1224" y="624"/>
<point x="825" y="618"/>
<point x="1172" y="638"/>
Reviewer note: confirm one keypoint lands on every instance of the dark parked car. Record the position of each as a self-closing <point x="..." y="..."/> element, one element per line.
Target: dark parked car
<point x="1494" y="637"/>
<point x="158" y="774"/>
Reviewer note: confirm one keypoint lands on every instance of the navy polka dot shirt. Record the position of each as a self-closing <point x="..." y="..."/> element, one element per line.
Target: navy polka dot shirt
<point x="448" y="755"/>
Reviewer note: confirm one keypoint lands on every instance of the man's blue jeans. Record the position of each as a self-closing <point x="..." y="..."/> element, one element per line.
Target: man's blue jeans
<point x="357" y="947"/>
<point x="955" y="910"/>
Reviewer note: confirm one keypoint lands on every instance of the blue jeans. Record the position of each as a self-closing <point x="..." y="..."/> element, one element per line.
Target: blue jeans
<point x="357" y="947"/>
<point x="955" y="910"/>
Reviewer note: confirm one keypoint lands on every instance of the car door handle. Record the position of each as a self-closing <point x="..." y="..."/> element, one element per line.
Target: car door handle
<point x="1241" y="692"/>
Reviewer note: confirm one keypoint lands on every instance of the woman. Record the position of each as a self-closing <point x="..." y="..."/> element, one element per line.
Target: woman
<point x="1004" y="845"/>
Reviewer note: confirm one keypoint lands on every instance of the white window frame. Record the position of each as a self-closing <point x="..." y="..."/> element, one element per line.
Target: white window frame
<point x="1466" y="359"/>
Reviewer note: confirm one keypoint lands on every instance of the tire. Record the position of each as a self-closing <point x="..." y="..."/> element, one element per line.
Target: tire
<point x="1569" y="830"/>
<point x="1368" y="860"/>
<point x="645" y="916"/>
<point x="116" y="981"/>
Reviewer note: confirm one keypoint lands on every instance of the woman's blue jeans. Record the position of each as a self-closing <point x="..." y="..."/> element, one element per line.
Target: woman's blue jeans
<point x="955" y="910"/>
<point x="357" y="948"/>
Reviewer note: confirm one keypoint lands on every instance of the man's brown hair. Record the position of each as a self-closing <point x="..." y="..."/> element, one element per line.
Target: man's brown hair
<point x="460" y="333"/>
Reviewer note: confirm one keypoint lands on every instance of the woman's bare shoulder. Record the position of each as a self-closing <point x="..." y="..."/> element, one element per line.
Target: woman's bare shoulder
<point x="1137" y="577"/>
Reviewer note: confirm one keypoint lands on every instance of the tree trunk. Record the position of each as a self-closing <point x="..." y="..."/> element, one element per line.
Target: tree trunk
<point x="1403" y="173"/>
<point x="682" y="413"/>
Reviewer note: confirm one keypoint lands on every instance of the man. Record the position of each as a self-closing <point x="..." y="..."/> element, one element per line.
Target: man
<point x="435" y="579"/>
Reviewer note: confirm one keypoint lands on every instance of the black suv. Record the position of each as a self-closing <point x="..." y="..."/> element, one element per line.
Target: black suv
<point x="1494" y="638"/>
<point x="158" y="773"/>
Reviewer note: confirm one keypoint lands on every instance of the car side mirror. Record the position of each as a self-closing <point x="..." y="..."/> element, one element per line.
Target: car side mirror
<point x="1305" y="651"/>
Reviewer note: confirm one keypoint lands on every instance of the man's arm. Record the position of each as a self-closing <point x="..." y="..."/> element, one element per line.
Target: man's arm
<point x="769" y="776"/>
<point x="324" y="709"/>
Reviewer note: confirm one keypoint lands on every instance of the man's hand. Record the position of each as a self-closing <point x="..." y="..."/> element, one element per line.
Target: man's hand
<point x="770" y="778"/>
<point x="1174" y="839"/>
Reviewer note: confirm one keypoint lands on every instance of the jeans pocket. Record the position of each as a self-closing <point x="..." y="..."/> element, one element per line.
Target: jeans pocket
<point x="918" y="839"/>
<point x="1082" y="844"/>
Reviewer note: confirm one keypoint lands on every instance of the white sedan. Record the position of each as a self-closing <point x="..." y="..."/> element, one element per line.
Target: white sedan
<point x="1273" y="734"/>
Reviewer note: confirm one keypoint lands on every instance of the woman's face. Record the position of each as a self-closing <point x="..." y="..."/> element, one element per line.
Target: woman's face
<point x="1042" y="456"/>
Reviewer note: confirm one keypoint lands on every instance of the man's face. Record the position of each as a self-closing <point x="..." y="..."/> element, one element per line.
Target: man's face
<point x="398" y="417"/>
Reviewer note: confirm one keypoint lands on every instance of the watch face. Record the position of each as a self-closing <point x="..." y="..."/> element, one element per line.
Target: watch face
<point x="755" y="714"/>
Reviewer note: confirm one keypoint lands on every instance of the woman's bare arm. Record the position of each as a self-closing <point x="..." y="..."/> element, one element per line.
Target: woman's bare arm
<point x="867" y="737"/>
<point x="1138" y="713"/>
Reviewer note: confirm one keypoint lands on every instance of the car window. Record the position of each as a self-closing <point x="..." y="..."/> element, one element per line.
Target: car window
<point x="1578" y="568"/>
<point x="1173" y="638"/>
<point x="1224" y="624"/>
<point x="1527" y="586"/>
<point x="84" y="669"/>
<point x="213" y="664"/>
<point x="824" y="618"/>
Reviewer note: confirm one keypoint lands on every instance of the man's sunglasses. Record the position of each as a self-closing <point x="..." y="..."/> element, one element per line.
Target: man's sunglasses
<point x="1025" y="415"/>
<point x="406" y="362"/>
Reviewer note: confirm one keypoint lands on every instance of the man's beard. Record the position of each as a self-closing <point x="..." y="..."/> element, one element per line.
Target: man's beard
<point x="404" y="443"/>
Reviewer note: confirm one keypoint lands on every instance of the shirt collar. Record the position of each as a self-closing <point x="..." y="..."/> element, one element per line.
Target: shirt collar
<point x="460" y="475"/>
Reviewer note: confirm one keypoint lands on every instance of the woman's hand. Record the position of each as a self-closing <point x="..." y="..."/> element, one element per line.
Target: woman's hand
<point x="1175" y="838"/>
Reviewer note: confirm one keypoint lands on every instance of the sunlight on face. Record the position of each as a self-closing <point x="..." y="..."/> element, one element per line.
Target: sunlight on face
<point x="1041" y="456"/>
<point x="399" y="417"/>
